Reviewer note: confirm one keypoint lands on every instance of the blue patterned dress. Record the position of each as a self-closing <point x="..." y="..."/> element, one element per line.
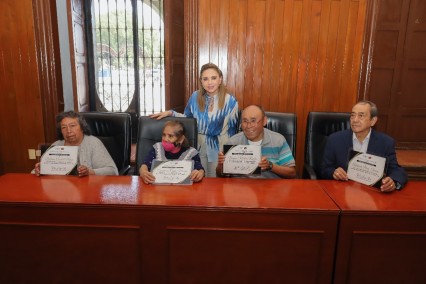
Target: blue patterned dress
<point x="214" y="128"/>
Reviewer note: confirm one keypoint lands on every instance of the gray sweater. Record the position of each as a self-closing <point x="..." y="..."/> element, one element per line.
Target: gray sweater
<point x="93" y="154"/>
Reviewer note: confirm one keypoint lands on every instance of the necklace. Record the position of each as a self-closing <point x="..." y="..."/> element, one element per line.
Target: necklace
<point x="211" y="103"/>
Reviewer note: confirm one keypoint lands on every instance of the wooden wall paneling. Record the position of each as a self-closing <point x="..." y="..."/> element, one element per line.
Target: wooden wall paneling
<point x="286" y="84"/>
<point x="222" y="36"/>
<point x="301" y="94"/>
<point x="312" y="45"/>
<point x="248" y="68"/>
<point x="304" y="39"/>
<point x="47" y="43"/>
<point x="393" y="68"/>
<point x="214" y="22"/>
<point x="318" y="81"/>
<point x="318" y="28"/>
<point x="266" y="55"/>
<point x="21" y="102"/>
<point x="359" y="42"/>
<point x="257" y="30"/>
<point x="237" y="49"/>
<point x="331" y="83"/>
<point x="410" y="99"/>
<point x="339" y="63"/>
<point x="348" y="81"/>
<point x="24" y="116"/>
<point x="204" y="27"/>
<point x="378" y="74"/>
<point x="308" y="37"/>
<point x="387" y="63"/>
<point x="191" y="46"/>
<point x="277" y="53"/>
<point x="371" y="11"/>
<point x="289" y="56"/>
<point x="174" y="55"/>
<point x="332" y="79"/>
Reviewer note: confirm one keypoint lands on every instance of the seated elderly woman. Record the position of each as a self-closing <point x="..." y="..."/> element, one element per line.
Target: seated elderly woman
<point x="94" y="159"/>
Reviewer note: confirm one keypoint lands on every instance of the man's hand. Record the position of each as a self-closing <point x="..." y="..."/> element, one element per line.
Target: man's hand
<point x="340" y="174"/>
<point x="388" y="185"/>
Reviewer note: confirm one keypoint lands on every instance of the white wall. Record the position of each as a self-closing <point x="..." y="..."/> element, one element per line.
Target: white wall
<point x="64" y="45"/>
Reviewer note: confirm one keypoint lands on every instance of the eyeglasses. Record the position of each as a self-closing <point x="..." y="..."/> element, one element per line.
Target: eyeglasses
<point x="249" y="122"/>
<point x="361" y="116"/>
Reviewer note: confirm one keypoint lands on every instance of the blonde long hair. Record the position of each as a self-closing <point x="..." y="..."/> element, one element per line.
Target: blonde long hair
<point x="202" y="92"/>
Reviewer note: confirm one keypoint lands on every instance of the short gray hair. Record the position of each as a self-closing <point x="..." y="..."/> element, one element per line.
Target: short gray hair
<point x="373" y="108"/>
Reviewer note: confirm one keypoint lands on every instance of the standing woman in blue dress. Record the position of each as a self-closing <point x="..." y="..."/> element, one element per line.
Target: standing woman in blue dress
<point x="216" y="113"/>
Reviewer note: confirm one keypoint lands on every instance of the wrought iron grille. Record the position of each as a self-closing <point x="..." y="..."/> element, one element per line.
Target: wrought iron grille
<point x="128" y="55"/>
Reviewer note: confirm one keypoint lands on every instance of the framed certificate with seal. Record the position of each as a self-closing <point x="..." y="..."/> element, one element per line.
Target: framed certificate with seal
<point x="366" y="168"/>
<point x="242" y="160"/>
<point x="59" y="160"/>
<point x="172" y="172"/>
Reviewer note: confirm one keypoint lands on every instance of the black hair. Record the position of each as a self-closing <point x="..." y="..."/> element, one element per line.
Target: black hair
<point x="71" y="114"/>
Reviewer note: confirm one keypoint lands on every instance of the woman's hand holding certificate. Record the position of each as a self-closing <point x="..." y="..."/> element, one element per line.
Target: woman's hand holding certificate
<point x="59" y="160"/>
<point x="172" y="172"/>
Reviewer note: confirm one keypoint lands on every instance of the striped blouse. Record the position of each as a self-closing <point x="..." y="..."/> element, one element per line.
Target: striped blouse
<point x="214" y="128"/>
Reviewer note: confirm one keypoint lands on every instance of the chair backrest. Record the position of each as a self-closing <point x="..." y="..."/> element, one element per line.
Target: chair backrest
<point x="115" y="131"/>
<point x="150" y="131"/>
<point x="319" y="126"/>
<point x="284" y="123"/>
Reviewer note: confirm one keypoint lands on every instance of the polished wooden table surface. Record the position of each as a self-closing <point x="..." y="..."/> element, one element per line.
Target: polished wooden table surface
<point x="119" y="230"/>
<point x="352" y="196"/>
<point x="211" y="193"/>
<point x="382" y="236"/>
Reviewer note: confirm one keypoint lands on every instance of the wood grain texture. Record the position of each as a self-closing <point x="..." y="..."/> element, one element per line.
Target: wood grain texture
<point x="25" y="64"/>
<point x="116" y="229"/>
<point x="288" y="56"/>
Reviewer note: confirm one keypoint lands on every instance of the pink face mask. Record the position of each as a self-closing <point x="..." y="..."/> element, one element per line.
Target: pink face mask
<point x="170" y="147"/>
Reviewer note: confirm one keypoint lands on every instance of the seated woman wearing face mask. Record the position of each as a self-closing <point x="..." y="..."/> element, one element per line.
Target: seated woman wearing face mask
<point x="174" y="146"/>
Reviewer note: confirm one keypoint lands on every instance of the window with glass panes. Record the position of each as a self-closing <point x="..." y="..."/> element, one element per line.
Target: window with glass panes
<point x="127" y="43"/>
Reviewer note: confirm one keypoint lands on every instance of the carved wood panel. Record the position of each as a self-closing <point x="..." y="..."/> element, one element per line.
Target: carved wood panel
<point x="398" y="69"/>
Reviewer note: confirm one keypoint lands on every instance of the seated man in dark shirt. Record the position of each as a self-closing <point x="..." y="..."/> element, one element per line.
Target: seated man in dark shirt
<point x="362" y="138"/>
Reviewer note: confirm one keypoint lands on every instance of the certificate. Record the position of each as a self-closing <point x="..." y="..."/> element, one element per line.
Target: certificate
<point x="172" y="172"/>
<point x="59" y="160"/>
<point x="242" y="159"/>
<point x="366" y="168"/>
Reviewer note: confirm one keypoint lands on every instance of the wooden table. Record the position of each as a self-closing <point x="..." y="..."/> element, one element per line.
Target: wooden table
<point x="118" y="230"/>
<point x="382" y="236"/>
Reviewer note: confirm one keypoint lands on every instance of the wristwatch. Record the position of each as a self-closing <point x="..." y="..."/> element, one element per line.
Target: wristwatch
<point x="271" y="165"/>
<point x="398" y="186"/>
